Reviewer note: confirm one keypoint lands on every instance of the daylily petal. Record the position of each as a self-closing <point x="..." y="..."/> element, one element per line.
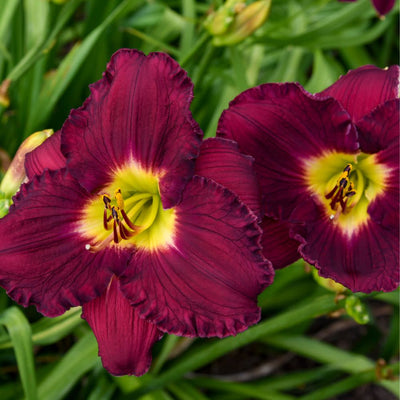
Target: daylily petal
<point x="379" y="134"/>
<point x="47" y="156"/>
<point x="278" y="246"/>
<point x="43" y="260"/>
<point x="287" y="126"/>
<point x="365" y="261"/>
<point x="138" y="113"/>
<point x="383" y="6"/>
<point x="206" y="283"/>
<point x="363" y="89"/>
<point x="221" y="161"/>
<point x="125" y="340"/>
<point x="379" y="129"/>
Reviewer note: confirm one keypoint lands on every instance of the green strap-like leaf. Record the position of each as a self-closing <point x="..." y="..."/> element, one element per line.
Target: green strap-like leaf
<point x="50" y="330"/>
<point x="69" y="67"/>
<point x="21" y="337"/>
<point x="77" y="361"/>
<point x="211" y="351"/>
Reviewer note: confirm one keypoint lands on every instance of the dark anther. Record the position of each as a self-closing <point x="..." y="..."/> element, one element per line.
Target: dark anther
<point x="114" y="213"/>
<point x="107" y="201"/>
<point x="343" y="182"/>
<point x="350" y="193"/>
<point x="347" y="168"/>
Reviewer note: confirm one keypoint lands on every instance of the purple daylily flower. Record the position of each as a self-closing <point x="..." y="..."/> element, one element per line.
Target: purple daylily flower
<point x="381" y="6"/>
<point x="328" y="166"/>
<point x="130" y="215"/>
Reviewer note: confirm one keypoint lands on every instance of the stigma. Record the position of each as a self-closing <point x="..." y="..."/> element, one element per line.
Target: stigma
<point x="341" y="194"/>
<point x="116" y="221"/>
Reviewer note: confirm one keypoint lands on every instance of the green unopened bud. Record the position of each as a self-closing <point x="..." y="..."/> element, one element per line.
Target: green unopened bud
<point x="357" y="310"/>
<point x="235" y="21"/>
<point x="328" y="283"/>
<point x="15" y="174"/>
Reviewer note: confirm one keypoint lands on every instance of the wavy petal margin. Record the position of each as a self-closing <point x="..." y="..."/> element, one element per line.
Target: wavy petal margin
<point x="364" y="88"/>
<point x="207" y="283"/>
<point x="124" y="339"/>
<point x="43" y="260"/>
<point x="282" y="127"/>
<point x="137" y="113"/>
<point x="46" y="156"/>
<point x="221" y="161"/>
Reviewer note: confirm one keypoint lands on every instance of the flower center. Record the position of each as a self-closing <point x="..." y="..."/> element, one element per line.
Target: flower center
<point x="128" y="213"/>
<point x="346" y="184"/>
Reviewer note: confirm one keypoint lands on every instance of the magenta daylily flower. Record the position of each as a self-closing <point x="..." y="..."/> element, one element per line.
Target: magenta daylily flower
<point x="381" y="6"/>
<point x="118" y="216"/>
<point x="328" y="166"/>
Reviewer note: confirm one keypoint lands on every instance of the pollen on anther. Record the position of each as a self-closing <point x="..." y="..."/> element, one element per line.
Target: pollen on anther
<point x="88" y="246"/>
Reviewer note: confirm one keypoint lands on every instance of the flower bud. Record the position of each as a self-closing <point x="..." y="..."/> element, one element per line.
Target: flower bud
<point x="15" y="174"/>
<point x="235" y="20"/>
<point x="357" y="310"/>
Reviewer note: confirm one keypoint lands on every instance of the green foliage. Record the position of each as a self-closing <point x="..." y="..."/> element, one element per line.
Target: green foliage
<point x="51" y="53"/>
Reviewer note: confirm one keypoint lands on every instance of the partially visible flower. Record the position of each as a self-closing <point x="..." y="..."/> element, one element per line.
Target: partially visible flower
<point x="381" y="6"/>
<point x="328" y="166"/>
<point x="235" y="20"/>
<point x="114" y="219"/>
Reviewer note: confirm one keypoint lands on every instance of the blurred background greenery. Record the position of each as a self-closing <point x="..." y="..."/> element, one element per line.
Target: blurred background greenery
<point x="306" y="346"/>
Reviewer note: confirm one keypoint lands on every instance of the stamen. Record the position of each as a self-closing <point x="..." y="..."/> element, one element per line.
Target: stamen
<point x="114" y="213"/>
<point x="125" y="234"/>
<point x="331" y="193"/>
<point x="107" y="201"/>
<point x="128" y="221"/>
<point x="339" y="194"/>
<point x="139" y="206"/>
<point x="343" y="182"/>
<point x="105" y="220"/>
<point x="115" y="232"/>
<point x="348" y="169"/>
